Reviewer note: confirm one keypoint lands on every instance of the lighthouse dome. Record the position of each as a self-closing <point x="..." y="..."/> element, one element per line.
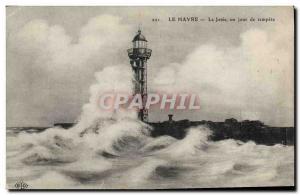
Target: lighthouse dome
<point x="139" y="37"/>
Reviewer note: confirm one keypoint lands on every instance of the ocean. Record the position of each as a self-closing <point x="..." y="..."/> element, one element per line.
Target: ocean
<point x="121" y="154"/>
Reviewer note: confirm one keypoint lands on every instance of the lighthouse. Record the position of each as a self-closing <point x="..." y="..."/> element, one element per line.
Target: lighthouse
<point x="138" y="55"/>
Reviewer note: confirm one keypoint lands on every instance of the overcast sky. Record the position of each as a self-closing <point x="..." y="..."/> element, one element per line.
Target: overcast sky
<point x="241" y="70"/>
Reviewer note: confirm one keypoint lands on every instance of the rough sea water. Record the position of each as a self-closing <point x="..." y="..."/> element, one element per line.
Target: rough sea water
<point x="121" y="155"/>
<point x="114" y="150"/>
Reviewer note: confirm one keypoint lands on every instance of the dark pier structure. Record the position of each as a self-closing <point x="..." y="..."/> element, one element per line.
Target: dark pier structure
<point x="229" y="129"/>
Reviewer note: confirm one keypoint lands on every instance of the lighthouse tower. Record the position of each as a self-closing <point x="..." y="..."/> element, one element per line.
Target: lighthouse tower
<point x="138" y="55"/>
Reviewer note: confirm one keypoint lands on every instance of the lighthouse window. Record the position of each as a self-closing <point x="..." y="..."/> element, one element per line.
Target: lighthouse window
<point x="141" y="44"/>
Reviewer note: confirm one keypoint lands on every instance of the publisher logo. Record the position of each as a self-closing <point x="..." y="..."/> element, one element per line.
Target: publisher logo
<point x="21" y="185"/>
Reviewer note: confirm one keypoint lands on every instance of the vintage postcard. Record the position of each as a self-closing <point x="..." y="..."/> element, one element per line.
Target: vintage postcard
<point x="150" y="97"/>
